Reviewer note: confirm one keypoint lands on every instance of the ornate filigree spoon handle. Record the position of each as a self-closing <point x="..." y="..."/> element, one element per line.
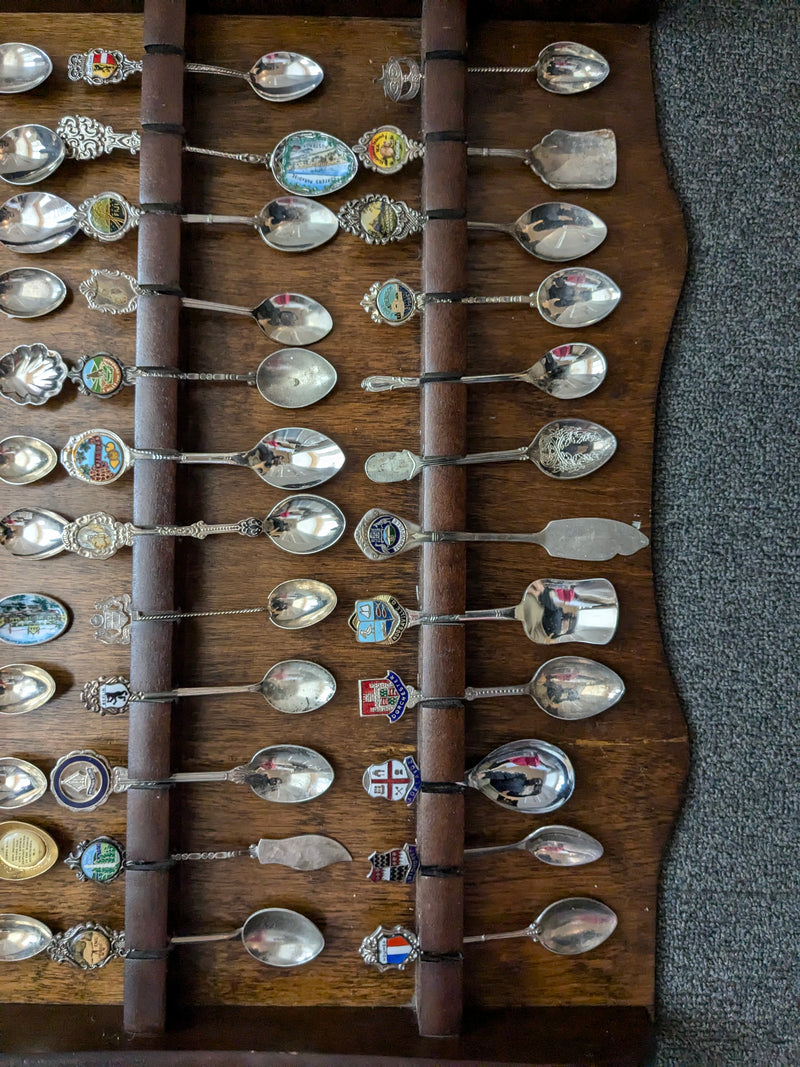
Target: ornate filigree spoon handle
<point x="99" y="535"/>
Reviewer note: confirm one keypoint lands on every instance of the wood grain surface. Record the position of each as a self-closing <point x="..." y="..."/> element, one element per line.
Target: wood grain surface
<point x="629" y="762"/>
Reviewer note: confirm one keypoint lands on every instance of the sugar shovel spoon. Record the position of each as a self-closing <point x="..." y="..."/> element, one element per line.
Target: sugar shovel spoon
<point x="301" y="525"/>
<point x="22" y="67"/>
<point x="572" y="297"/>
<point x="382" y="534"/>
<point x="24" y="687"/>
<point x="293" y="686"/>
<point x="40" y="221"/>
<point x="563" y="449"/>
<point x="555" y="232"/>
<point x="275" y="936"/>
<point x="552" y="611"/>
<point x="277" y="76"/>
<point x="566" y="372"/>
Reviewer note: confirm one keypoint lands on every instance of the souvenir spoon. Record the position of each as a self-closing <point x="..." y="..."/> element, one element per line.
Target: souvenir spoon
<point x="564" y="449"/>
<point x="31" y="619"/>
<point x="28" y="292"/>
<point x="295" y="604"/>
<point x="277" y="76"/>
<point x="309" y="162"/>
<point x="567" y="928"/>
<point x="532" y="777"/>
<point x="293" y="686"/>
<point x="25" y="851"/>
<point x="382" y="534"/>
<point x="566" y="687"/>
<point x="301" y="525"/>
<point x="288" y="318"/>
<point x="22" y="67"/>
<point x="552" y="611"/>
<point x="21" y="783"/>
<point x="103" y="858"/>
<point x="555" y="232"/>
<point x="40" y="221"/>
<point x="563" y="67"/>
<point x="290" y="458"/>
<point x="34" y="374"/>
<point x="25" y="459"/>
<point x="571" y="297"/>
<point x="275" y="936"/>
<point x="24" y="687"/>
<point x="567" y="373"/>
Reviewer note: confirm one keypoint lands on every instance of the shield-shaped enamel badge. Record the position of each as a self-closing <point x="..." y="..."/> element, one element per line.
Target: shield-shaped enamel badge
<point x="393" y="779"/>
<point x="389" y="948"/>
<point x="396" y="865"/>
<point x="383" y="696"/>
<point x="380" y="619"/>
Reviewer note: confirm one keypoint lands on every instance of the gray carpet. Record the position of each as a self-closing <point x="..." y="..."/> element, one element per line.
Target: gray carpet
<point x="725" y="533"/>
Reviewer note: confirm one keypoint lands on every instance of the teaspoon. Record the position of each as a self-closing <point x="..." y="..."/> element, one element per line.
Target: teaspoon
<point x="292" y="457"/>
<point x="552" y="612"/>
<point x="293" y="686"/>
<point x="301" y="525"/>
<point x="24" y="687"/>
<point x="34" y="374"/>
<point x="31" y="619"/>
<point x="25" y="459"/>
<point x="563" y="449"/>
<point x="22" y="67"/>
<point x="25" y="851"/>
<point x="567" y="928"/>
<point x="555" y="232"/>
<point x="275" y="936"/>
<point x="292" y="605"/>
<point x="566" y="372"/>
<point x="277" y="76"/>
<point x="566" y="687"/>
<point x="564" y="68"/>
<point x="288" y="318"/>
<point x="28" y="292"/>
<point x="40" y="221"/>
<point x="571" y="297"/>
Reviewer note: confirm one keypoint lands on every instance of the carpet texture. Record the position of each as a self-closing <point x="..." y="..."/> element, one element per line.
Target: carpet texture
<point x="725" y="533"/>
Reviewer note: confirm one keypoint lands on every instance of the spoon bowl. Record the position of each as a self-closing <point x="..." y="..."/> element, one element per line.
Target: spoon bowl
<point x="281" y="938"/>
<point x="296" y="224"/>
<point x="573" y="687"/>
<point x="25" y="851"/>
<point x="36" y="222"/>
<point x="28" y="292"/>
<point x="293" y="319"/>
<point x="295" y="458"/>
<point x="291" y="377"/>
<point x="577" y="296"/>
<point x="29" y="154"/>
<point x="31" y="374"/>
<point x="286" y="774"/>
<point x="20" y="783"/>
<point x="22" y="67"/>
<point x="569" y="372"/>
<point x="562" y="846"/>
<point x="566" y="67"/>
<point x="297" y="686"/>
<point x="22" y="937"/>
<point x="555" y="610"/>
<point x="574" y="925"/>
<point x="24" y="687"/>
<point x="304" y="524"/>
<point x="299" y="603"/>
<point x="33" y="533"/>
<point x="571" y="448"/>
<point x="31" y="619"/>
<point x="557" y="232"/>
<point x="25" y="459"/>
<point x="532" y="777"/>
<point x="284" y="76"/>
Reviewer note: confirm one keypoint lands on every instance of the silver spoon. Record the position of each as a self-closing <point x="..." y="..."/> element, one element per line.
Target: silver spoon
<point x="301" y="525"/>
<point x="555" y="232"/>
<point x="288" y="318"/>
<point x="563" y="67"/>
<point x="567" y="928"/>
<point x="40" y="221"/>
<point x="275" y="936"/>
<point x="552" y="612"/>
<point x="21" y="783"/>
<point x="277" y="76"/>
<point x="24" y="687"/>
<point x="295" y="604"/>
<point x="557" y="846"/>
<point x="31" y="619"/>
<point x="22" y="67"/>
<point x="292" y="457"/>
<point x="28" y="292"/>
<point x="25" y="459"/>
<point x="571" y="297"/>
<point x="566" y="687"/>
<point x="564" y="449"/>
<point x="293" y="686"/>
<point x="566" y="372"/>
<point x="381" y="534"/>
<point x="34" y="374"/>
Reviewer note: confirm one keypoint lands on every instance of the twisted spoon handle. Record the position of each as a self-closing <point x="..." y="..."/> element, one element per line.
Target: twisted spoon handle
<point x="207" y="68"/>
<point x="241" y="157"/>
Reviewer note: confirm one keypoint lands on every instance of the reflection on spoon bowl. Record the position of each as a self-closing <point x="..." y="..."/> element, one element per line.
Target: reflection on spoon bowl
<point x="300" y="602"/>
<point x="29" y="154"/>
<point x="532" y="777"/>
<point x="36" y="222"/>
<point x="577" y="296"/>
<point x="22" y="67"/>
<point x="33" y="533"/>
<point x="293" y="377"/>
<point x="20" y="783"/>
<point x="28" y="292"/>
<point x="296" y="224"/>
<point x="25" y="459"/>
<point x="281" y="938"/>
<point x="24" y="687"/>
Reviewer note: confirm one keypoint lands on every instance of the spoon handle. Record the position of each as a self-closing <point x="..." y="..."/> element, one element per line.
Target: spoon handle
<point x="498" y="227"/>
<point x="461" y="535"/>
<point x="509" y="153"/>
<point x="194" y="939"/>
<point x="491" y="850"/>
<point x="195" y="691"/>
<point x="170" y="616"/>
<point x="207" y="68"/>
<point x="502" y="70"/>
<point x="475" y="457"/>
<point x="416" y="618"/>
<point x="239" y="220"/>
<point x="531" y="931"/>
<point x="476" y="693"/>
<point x="86" y="138"/>
<point x="529" y="299"/>
<point x="188" y="376"/>
<point x="241" y="157"/>
<point x="174" y="456"/>
<point x="181" y="856"/>
<point x="378" y="383"/>
<point x="213" y="305"/>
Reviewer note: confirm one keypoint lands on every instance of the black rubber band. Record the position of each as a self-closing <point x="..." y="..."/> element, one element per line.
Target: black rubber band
<point x="439" y="376"/>
<point x="149" y="865"/>
<point x="441" y="957"/>
<point x="446" y="298"/>
<point x="433" y="871"/>
<point x="445" y="135"/>
<point x="163" y="127"/>
<point x="160" y="290"/>
<point x="446" y="53"/>
<point x="442" y="787"/>
<point x="164" y="50"/>
<point x="446" y="213"/>
<point x="148" y="953"/>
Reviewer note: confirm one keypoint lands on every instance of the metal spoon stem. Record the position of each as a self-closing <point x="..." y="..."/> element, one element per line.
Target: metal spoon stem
<point x="378" y="383"/>
<point x="240" y="157"/>
<point x="499" y="227"/>
<point x="475" y="457"/>
<point x="195" y="939"/>
<point x="490" y="691"/>
<point x="531" y="931"/>
<point x="188" y="376"/>
<point x="213" y="305"/>
<point x="195" y="691"/>
<point x="242" y="220"/>
<point x="208" y="68"/>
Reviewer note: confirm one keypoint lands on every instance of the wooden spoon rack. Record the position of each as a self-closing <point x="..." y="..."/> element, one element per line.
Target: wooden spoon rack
<point x="511" y="1001"/>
